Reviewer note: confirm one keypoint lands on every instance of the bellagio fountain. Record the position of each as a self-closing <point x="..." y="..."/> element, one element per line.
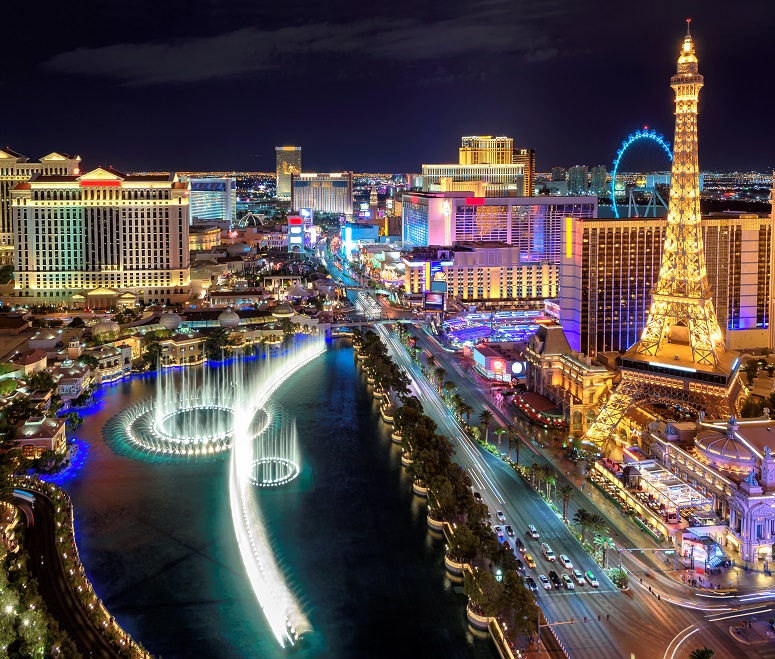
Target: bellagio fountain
<point x="226" y="411"/>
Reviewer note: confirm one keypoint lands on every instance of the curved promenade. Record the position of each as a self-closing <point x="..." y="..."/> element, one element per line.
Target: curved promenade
<point x="46" y="566"/>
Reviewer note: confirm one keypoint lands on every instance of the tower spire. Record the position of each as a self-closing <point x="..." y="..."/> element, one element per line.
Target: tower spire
<point x="681" y="306"/>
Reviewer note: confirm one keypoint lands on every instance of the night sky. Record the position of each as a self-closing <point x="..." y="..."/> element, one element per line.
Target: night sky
<point x="216" y="85"/>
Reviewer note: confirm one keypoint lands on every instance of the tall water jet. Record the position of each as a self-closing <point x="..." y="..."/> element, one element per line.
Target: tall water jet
<point x="204" y="412"/>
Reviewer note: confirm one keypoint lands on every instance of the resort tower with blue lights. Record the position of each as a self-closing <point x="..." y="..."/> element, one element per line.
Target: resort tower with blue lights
<point x="680" y="359"/>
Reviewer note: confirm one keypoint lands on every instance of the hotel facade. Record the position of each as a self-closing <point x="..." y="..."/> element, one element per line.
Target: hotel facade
<point x="478" y="272"/>
<point x="323" y="193"/>
<point x="609" y="267"/>
<point x="533" y="224"/>
<point x="101" y="239"/>
<point x="16" y="168"/>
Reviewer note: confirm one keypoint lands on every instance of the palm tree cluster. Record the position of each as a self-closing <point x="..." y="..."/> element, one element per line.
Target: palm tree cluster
<point x="379" y="364"/>
<point x="450" y="497"/>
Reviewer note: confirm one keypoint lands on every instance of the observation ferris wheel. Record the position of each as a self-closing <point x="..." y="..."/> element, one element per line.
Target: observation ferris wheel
<point x="643" y="161"/>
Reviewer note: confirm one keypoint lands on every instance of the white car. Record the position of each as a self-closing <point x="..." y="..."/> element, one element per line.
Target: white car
<point x="501" y="517"/>
<point x="499" y="531"/>
<point x="545" y="581"/>
<point x="566" y="562"/>
<point x="568" y="583"/>
<point x="591" y="579"/>
<point x="579" y="577"/>
<point x="532" y="531"/>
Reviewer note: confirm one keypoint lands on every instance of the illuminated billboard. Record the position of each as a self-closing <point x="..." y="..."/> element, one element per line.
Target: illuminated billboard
<point x="433" y="301"/>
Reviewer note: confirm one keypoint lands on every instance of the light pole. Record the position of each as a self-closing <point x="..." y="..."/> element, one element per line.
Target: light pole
<point x="548" y="624"/>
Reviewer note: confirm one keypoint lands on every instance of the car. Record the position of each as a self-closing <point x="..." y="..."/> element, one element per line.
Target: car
<point x="520" y="546"/>
<point x="531" y="584"/>
<point x="499" y="531"/>
<point x="568" y="582"/>
<point x="506" y="544"/>
<point x="478" y="497"/>
<point x="532" y="532"/>
<point x="555" y="578"/>
<point x="544" y="582"/>
<point x="566" y="562"/>
<point x="546" y="550"/>
<point x="591" y="579"/>
<point x="520" y="566"/>
<point x="509" y="530"/>
<point x="501" y="517"/>
<point x="579" y="577"/>
<point x="530" y="560"/>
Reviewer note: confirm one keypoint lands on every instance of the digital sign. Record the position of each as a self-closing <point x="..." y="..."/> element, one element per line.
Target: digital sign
<point x="433" y="301"/>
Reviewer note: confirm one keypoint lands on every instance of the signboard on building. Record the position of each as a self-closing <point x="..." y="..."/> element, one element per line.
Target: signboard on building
<point x="433" y="301"/>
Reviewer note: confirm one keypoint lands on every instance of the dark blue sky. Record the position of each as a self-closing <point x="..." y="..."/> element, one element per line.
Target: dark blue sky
<point x="215" y="85"/>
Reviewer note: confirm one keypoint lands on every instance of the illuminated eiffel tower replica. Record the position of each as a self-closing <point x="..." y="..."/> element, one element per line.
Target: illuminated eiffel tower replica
<point x="680" y="358"/>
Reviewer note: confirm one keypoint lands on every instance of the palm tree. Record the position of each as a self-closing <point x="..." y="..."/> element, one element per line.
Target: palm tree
<point x="551" y="480"/>
<point x="702" y="653"/>
<point x="581" y="519"/>
<point x="566" y="492"/>
<point x="534" y="469"/>
<point x="498" y="432"/>
<point x="597" y="524"/>
<point x="466" y="409"/>
<point x="448" y="387"/>
<point x="485" y="417"/>
<point x="430" y="360"/>
<point x="439" y="373"/>
<point x="457" y="404"/>
<point x="511" y="437"/>
<point x="603" y="544"/>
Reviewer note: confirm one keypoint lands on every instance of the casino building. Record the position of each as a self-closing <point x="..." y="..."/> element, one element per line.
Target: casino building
<point x="100" y="239"/>
<point x="532" y="224"/>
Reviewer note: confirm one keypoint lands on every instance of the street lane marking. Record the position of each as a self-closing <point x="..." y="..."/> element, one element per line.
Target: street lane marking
<point x="748" y="612"/>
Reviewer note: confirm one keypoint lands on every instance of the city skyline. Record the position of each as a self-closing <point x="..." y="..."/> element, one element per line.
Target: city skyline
<point x="236" y="73"/>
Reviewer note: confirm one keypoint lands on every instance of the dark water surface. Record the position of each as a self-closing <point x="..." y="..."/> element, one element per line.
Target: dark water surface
<point x="157" y="539"/>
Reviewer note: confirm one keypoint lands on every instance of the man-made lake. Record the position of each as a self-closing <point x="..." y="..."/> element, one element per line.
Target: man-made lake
<point x="157" y="539"/>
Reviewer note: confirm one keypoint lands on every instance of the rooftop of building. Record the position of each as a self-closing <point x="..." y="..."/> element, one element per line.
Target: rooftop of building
<point x="38" y="427"/>
<point x="70" y="370"/>
<point x="28" y="357"/>
<point x="679" y="356"/>
<point x="13" y="322"/>
<point x="550" y="340"/>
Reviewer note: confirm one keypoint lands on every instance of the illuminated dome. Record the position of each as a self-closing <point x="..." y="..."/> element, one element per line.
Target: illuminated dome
<point x="725" y="452"/>
<point x="104" y="327"/>
<point x="170" y="320"/>
<point x="283" y="311"/>
<point x="228" y="319"/>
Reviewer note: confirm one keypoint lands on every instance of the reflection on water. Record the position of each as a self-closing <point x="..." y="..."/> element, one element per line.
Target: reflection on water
<point x="158" y="543"/>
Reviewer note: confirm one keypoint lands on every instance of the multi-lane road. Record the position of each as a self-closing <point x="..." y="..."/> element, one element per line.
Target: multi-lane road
<point x="633" y="624"/>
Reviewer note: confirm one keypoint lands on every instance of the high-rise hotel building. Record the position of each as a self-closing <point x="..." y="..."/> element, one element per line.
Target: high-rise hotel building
<point x="100" y="239"/>
<point x="609" y="267"/>
<point x="486" y="149"/>
<point x="15" y="168"/>
<point x="323" y="193"/>
<point x="493" y="161"/>
<point x="533" y="224"/>
<point x="288" y="162"/>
